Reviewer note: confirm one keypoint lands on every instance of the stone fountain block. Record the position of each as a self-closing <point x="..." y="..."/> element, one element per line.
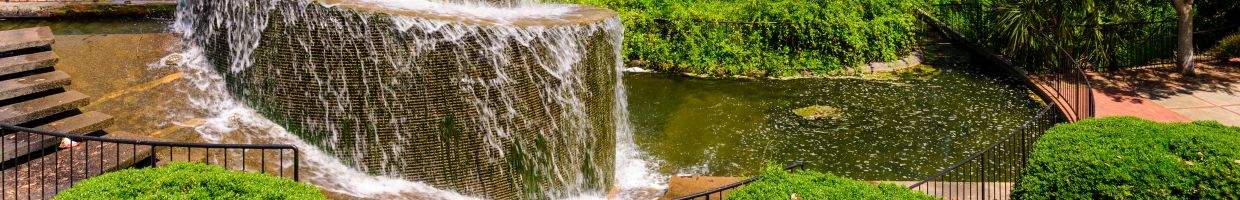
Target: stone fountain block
<point x="461" y="106"/>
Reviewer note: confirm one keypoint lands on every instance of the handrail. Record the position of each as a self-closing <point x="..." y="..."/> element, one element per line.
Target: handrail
<point x="719" y="190"/>
<point x="222" y="149"/>
<point x="991" y="147"/>
<point x="1074" y="110"/>
<point x="1067" y="90"/>
<point x="145" y="142"/>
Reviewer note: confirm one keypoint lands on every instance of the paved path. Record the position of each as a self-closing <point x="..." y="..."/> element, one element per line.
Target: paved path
<point x="962" y="190"/>
<point x="1220" y="106"/>
<point x="1110" y="104"/>
<point x="1161" y="94"/>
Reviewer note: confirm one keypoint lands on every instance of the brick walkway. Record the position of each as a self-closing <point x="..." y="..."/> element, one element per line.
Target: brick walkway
<point x="1159" y="93"/>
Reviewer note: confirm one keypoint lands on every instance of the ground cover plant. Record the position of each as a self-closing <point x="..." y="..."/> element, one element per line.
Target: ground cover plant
<point x="188" y="181"/>
<point x="763" y="38"/>
<point x="775" y="183"/>
<point x="1131" y="158"/>
<point x="1228" y="48"/>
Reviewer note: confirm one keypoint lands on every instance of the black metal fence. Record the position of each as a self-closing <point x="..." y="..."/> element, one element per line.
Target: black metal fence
<point x="721" y="192"/>
<point x="1149" y="39"/>
<point x="992" y="172"/>
<point x="1067" y="88"/>
<point x="39" y="164"/>
<point x="1070" y="89"/>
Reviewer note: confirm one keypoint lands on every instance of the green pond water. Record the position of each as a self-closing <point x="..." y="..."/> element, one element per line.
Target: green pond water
<point x="899" y="126"/>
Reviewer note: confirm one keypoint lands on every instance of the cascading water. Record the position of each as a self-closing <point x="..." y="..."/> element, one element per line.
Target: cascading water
<point x="492" y="99"/>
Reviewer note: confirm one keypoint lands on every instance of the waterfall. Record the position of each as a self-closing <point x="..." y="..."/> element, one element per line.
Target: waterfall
<point x="420" y="99"/>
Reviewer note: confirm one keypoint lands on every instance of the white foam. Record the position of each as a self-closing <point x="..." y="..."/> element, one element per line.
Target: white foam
<point x="224" y="116"/>
<point x="480" y="10"/>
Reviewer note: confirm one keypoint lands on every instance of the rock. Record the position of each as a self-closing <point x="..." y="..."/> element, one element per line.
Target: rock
<point x="819" y="112"/>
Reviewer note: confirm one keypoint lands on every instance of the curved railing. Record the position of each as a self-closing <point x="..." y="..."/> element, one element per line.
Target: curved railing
<point x="41" y="172"/>
<point x="992" y="172"/>
<point x="718" y="192"/>
<point x="1066" y="88"/>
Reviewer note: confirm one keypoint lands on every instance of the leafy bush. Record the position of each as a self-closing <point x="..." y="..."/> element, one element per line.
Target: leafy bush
<point x="763" y="38"/>
<point x="1131" y="158"/>
<point x="188" y="181"/>
<point x="776" y="183"/>
<point x="1041" y="34"/>
<point x="1229" y="47"/>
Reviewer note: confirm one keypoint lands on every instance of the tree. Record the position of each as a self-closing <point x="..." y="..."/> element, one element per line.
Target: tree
<point x="1184" y="50"/>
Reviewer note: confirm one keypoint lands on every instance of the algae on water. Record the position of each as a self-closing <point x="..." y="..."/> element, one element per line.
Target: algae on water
<point x="819" y="112"/>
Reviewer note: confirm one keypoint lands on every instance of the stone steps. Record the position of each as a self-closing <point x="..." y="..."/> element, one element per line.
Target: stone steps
<point x="27" y="111"/>
<point x="19" y="144"/>
<point x="32" y="94"/>
<point x="31" y="84"/>
<point x="25" y="38"/>
<point x="27" y="62"/>
<point x="42" y="178"/>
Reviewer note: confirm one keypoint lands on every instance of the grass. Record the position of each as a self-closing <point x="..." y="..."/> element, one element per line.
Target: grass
<point x="188" y="181"/>
<point x="776" y="183"/>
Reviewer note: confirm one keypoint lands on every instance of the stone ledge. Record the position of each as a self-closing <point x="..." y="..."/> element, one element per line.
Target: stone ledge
<point x="86" y="8"/>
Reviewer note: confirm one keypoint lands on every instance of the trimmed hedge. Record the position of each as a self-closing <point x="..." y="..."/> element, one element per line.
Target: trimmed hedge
<point x="776" y="183"/>
<point x="763" y="38"/>
<point x="1131" y="158"/>
<point x="188" y="181"/>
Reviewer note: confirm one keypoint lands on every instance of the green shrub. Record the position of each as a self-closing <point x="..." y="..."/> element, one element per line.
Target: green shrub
<point x="1228" y="48"/>
<point x="776" y="183"/>
<point x="761" y="38"/>
<point x="188" y="181"/>
<point x="1131" y="158"/>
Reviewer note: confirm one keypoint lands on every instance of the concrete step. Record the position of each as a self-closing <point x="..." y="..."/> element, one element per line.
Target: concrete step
<point x="27" y="62"/>
<point x="23" y="112"/>
<point x="42" y="178"/>
<point x="25" y="38"/>
<point x="19" y="144"/>
<point x="32" y="84"/>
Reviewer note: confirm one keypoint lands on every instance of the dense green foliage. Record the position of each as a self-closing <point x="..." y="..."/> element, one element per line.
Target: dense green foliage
<point x="1131" y="158"/>
<point x="1039" y="33"/>
<point x="776" y="183"/>
<point x="1100" y="34"/>
<point x="188" y="181"/>
<point x="763" y="38"/>
<point x="1229" y="47"/>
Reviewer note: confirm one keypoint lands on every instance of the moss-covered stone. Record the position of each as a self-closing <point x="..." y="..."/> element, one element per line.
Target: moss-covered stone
<point x="819" y="112"/>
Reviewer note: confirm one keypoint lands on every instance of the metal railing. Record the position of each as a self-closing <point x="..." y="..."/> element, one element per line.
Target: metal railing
<point x="37" y="167"/>
<point x="1067" y="88"/>
<point x="719" y="192"/>
<point x="1070" y="88"/>
<point x="1131" y="42"/>
<point x="992" y="172"/>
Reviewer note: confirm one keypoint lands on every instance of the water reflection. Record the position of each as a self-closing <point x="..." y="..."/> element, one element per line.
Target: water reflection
<point x="898" y="126"/>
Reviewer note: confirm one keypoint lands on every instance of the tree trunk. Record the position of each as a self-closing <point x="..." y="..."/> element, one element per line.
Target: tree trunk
<point x="1184" y="50"/>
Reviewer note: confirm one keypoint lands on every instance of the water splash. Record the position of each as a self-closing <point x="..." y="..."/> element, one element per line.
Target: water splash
<point x="230" y="121"/>
<point x="236" y="29"/>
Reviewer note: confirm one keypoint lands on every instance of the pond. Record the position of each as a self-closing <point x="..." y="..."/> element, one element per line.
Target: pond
<point x="896" y="126"/>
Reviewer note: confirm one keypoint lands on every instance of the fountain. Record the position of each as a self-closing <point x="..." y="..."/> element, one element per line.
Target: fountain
<point x="499" y="100"/>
